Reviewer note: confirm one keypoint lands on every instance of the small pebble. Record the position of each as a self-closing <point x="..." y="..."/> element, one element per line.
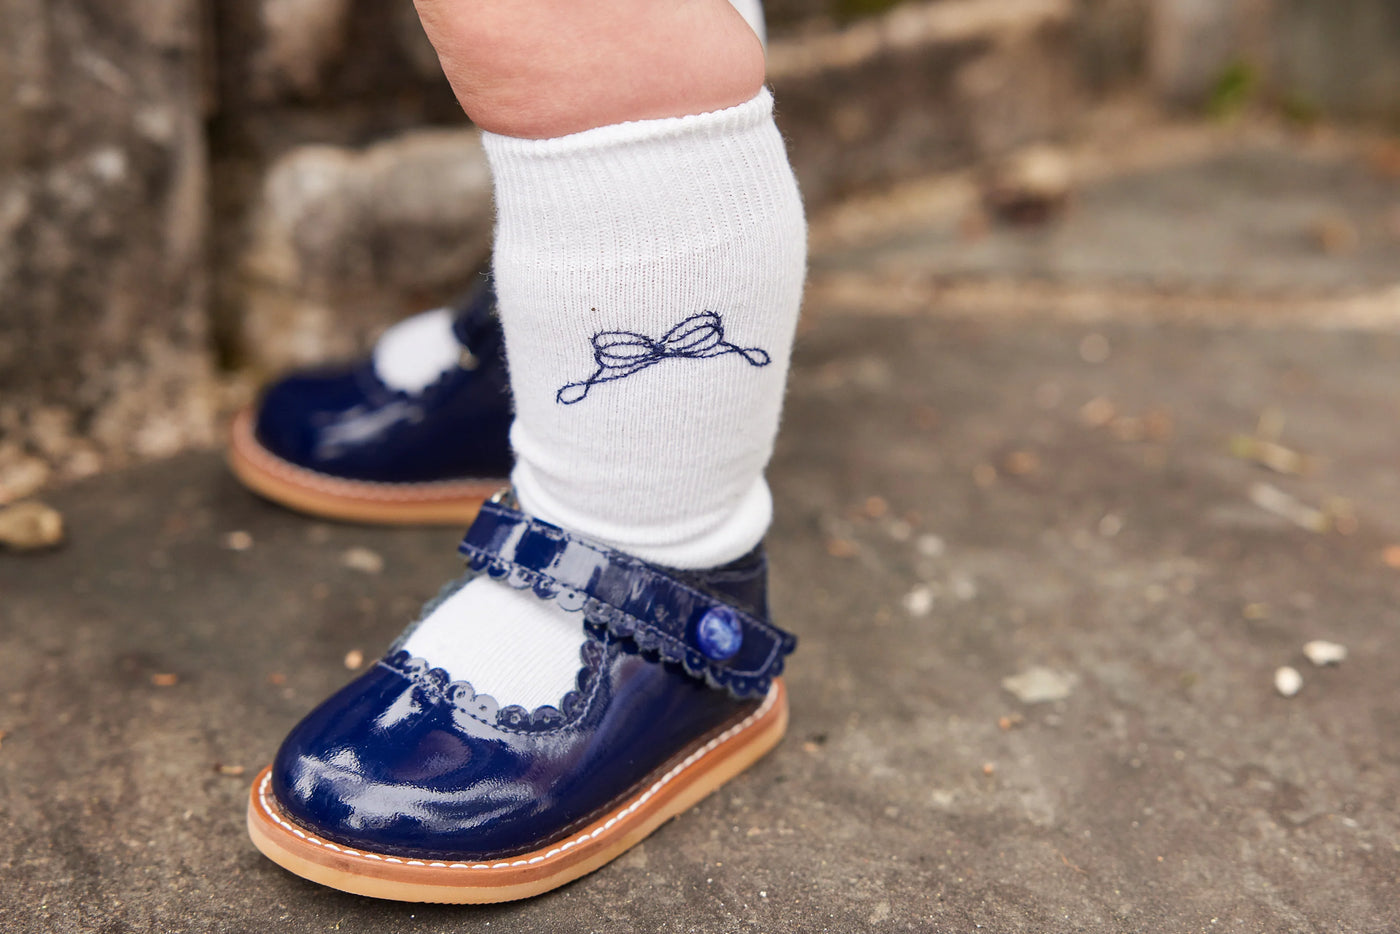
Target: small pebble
<point x="930" y="546"/>
<point x="354" y="659"/>
<point x="919" y="601"/>
<point x="20" y="478"/>
<point x="1022" y="463"/>
<point x="1039" y="684"/>
<point x="30" y="526"/>
<point x="238" y="541"/>
<point x="1097" y="412"/>
<point x="231" y="770"/>
<point x="165" y="680"/>
<point x="840" y="548"/>
<point x="1321" y="652"/>
<point x="1031" y="186"/>
<point x="363" y="559"/>
<point x="1271" y="499"/>
<point x="1287" y="681"/>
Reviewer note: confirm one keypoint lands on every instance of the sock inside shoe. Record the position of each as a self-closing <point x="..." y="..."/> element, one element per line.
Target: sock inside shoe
<point x="508" y="643"/>
<point x="412" y="354"/>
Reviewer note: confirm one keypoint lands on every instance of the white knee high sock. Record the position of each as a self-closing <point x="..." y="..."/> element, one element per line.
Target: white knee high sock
<point x="415" y="352"/>
<point x="649" y="277"/>
<point x="606" y="242"/>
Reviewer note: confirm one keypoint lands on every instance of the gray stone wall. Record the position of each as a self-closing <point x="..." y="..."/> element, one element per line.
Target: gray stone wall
<point x="1340" y="56"/>
<point x="339" y="241"/>
<point x="348" y="190"/>
<point x="923" y="88"/>
<point x="103" y="353"/>
<point x="1314" y="58"/>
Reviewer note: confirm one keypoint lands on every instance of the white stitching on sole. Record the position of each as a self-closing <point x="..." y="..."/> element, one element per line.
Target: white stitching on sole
<point x="651" y="792"/>
<point x="427" y="493"/>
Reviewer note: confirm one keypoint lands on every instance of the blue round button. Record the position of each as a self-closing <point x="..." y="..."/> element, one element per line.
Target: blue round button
<point x="719" y="633"/>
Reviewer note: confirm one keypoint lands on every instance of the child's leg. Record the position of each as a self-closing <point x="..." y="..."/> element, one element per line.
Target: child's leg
<point x="415" y="434"/>
<point x="649" y="261"/>
<point x="649" y="276"/>
<point x="543" y="68"/>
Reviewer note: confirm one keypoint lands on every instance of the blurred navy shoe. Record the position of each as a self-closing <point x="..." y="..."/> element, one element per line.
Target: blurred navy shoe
<point x="416" y="434"/>
<point x="409" y="786"/>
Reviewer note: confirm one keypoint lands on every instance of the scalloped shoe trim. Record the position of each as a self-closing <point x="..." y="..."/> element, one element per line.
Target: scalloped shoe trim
<point x="494" y="542"/>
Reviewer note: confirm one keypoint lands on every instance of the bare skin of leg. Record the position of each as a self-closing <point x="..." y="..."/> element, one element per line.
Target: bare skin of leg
<point x="537" y="69"/>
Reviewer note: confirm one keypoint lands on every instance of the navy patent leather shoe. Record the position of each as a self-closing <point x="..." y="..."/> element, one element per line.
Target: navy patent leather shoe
<point x="407" y="786"/>
<point x="337" y="442"/>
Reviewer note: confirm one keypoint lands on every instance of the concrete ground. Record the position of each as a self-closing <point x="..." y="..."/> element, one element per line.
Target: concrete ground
<point x="1005" y="450"/>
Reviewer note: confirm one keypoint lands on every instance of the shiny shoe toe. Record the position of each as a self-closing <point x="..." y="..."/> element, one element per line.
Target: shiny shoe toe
<point x="337" y="442"/>
<point x="407" y="785"/>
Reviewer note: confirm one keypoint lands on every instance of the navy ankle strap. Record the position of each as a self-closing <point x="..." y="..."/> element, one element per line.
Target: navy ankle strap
<point x="724" y="645"/>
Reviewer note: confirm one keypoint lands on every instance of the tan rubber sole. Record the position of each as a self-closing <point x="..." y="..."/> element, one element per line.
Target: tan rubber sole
<point x="379" y="876"/>
<point x="318" y="494"/>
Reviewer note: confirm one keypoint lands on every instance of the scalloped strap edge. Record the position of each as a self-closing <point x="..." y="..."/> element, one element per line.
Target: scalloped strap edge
<point x="654" y="609"/>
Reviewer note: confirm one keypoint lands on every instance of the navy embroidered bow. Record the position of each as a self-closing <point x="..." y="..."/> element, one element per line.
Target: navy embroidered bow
<point x="621" y="353"/>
